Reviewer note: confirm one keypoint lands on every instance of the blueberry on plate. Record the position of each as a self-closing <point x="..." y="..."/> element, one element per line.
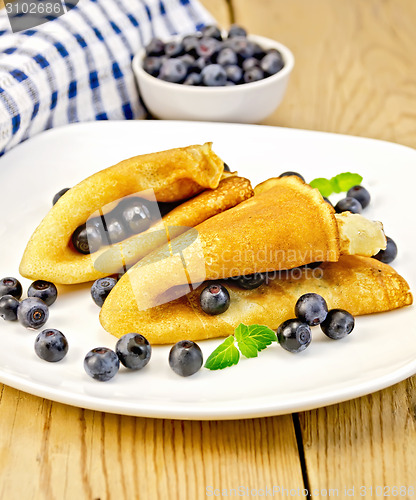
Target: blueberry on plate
<point x="44" y="290"/>
<point x="133" y="351"/>
<point x="311" y="308"/>
<point x="101" y="288"/>
<point x="289" y="174"/>
<point x="329" y="202"/>
<point x="51" y="345"/>
<point x="250" y="281"/>
<point x="185" y="358"/>
<point x="8" y="307"/>
<point x="389" y="254"/>
<point x="226" y="168"/>
<point x="294" y="335"/>
<point x="87" y="239"/>
<point x="338" y="324"/>
<point x="348" y="204"/>
<point x="361" y="194"/>
<point x="215" y="299"/>
<point x="59" y="194"/>
<point x="11" y="286"/>
<point x="32" y="313"/>
<point x="101" y="363"/>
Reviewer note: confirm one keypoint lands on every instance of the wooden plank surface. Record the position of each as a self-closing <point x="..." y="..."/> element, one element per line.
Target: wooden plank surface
<point x="355" y="74"/>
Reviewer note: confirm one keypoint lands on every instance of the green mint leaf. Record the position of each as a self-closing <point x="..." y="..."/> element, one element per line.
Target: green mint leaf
<point x="254" y="338"/>
<point x="338" y="184"/>
<point x="324" y="186"/>
<point x="226" y="354"/>
<point x="347" y="180"/>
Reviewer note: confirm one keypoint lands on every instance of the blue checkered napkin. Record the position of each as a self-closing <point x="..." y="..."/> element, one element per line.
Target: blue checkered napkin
<point x="77" y="67"/>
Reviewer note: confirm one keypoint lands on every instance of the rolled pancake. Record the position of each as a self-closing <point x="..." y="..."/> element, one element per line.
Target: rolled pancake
<point x="282" y="227"/>
<point x="360" y="285"/>
<point x="173" y="175"/>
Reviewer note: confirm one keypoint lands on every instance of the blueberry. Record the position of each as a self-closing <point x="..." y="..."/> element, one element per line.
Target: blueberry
<point x="253" y="75"/>
<point x="101" y="288"/>
<point x="227" y="56"/>
<point x="289" y="174"/>
<point x="207" y="47"/>
<point x="51" y="345"/>
<point x="155" y="47"/>
<point x="214" y="299"/>
<point x="32" y="313"/>
<point x="135" y="215"/>
<point x="242" y="46"/>
<point x="115" y="230"/>
<point x="190" y="43"/>
<point x="249" y="63"/>
<point x="133" y="351"/>
<point x="198" y="65"/>
<point x="213" y="75"/>
<point x="187" y="59"/>
<point x="152" y="64"/>
<point x="44" y="290"/>
<point x="11" y="286"/>
<point x="101" y="363"/>
<point x="212" y="32"/>
<point x="272" y="63"/>
<point x="250" y="281"/>
<point x="173" y="71"/>
<point x="348" y="204"/>
<point x="87" y="239"/>
<point x="234" y="73"/>
<point x="361" y="194"/>
<point x="185" y="358"/>
<point x="193" y="79"/>
<point x="294" y="335"/>
<point x="389" y="254"/>
<point x="226" y="168"/>
<point x="338" y="324"/>
<point x="8" y="307"/>
<point x="174" y="48"/>
<point x="59" y="194"/>
<point x="312" y="265"/>
<point x="236" y="30"/>
<point x="311" y="308"/>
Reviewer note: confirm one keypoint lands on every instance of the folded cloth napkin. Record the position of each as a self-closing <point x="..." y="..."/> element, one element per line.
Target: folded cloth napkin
<point x="77" y="67"/>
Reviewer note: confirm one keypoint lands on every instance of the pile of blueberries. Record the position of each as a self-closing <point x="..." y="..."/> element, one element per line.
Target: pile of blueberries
<point x="211" y="59"/>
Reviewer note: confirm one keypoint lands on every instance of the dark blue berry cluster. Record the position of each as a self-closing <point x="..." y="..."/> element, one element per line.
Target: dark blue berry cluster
<point x="211" y="58"/>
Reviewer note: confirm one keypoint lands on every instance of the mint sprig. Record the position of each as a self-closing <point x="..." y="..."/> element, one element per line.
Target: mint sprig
<point x="338" y="184"/>
<point x="250" y="340"/>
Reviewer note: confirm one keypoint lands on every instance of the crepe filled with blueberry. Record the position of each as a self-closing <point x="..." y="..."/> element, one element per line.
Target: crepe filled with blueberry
<point x="286" y="224"/>
<point x="91" y="231"/>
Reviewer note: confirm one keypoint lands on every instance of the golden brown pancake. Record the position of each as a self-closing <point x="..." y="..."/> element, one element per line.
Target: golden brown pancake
<point x="284" y="226"/>
<point x="173" y="175"/>
<point x="360" y="285"/>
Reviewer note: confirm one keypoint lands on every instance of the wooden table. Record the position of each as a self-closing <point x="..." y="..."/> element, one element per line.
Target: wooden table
<point x="355" y="74"/>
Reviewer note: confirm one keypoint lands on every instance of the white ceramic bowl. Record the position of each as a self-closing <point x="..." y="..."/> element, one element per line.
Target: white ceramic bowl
<point x="245" y="103"/>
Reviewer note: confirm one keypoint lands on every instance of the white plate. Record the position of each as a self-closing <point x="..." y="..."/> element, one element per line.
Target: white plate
<point x="380" y="352"/>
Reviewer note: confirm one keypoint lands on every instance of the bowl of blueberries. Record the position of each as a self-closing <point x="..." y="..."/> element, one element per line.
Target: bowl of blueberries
<point x="213" y="75"/>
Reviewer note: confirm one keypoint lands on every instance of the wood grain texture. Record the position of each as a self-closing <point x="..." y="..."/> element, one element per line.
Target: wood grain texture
<point x="64" y="452"/>
<point x="355" y="70"/>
